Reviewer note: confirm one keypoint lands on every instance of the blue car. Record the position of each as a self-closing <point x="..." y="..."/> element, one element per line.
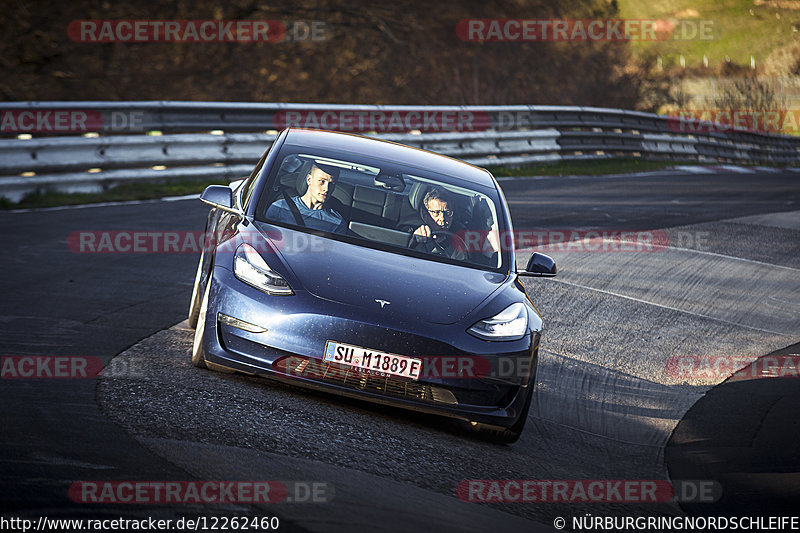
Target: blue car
<point x="373" y="270"/>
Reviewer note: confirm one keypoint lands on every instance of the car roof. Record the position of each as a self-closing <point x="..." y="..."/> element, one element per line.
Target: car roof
<point x="390" y="151"/>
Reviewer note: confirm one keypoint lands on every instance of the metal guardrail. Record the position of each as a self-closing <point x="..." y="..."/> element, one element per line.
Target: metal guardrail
<point x="488" y="135"/>
<point x="185" y="117"/>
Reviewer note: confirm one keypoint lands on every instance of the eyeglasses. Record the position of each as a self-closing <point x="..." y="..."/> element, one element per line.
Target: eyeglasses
<point x="437" y="212"/>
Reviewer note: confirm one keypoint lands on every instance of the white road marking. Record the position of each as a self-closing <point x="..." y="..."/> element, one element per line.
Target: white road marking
<point x="737" y="169"/>
<point x="701" y="315"/>
<point x="726" y="256"/>
<point x="106" y="204"/>
<point x="694" y="169"/>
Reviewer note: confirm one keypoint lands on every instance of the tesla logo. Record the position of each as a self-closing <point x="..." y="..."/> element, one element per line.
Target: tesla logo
<point x="383" y="303"/>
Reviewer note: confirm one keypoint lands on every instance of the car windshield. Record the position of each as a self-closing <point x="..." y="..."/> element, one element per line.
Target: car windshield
<point x="385" y="205"/>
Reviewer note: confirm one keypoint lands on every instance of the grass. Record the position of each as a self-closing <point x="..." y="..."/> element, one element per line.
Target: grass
<point x="150" y="191"/>
<point x="121" y="193"/>
<point x="741" y="29"/>
<point x="584" y="167"/>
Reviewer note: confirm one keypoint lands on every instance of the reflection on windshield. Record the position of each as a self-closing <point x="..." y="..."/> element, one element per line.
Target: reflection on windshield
<point x="398" y="208"/>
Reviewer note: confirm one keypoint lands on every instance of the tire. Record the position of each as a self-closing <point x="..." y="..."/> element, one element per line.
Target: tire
<point x="499" y="435"/>
<point x="198" y="355"/>
<point x="197" y="294"/>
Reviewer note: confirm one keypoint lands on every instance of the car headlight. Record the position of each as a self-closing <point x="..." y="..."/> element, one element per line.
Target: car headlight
<point x="510" y="324"/>
<point x="250" y="267"/>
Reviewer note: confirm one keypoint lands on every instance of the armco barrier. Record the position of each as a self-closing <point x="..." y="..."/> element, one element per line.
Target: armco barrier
<point x="193" y="117"/>
<point x="208" y="140"/>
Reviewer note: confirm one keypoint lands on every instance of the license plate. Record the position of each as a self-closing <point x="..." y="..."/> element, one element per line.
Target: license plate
<point x="373" y="361"/>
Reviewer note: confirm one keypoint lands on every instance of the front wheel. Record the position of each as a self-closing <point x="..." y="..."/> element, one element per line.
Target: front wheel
<point x="198" y="354"/>
<point x="197" y="293"/>
<point x="499" y="435"/>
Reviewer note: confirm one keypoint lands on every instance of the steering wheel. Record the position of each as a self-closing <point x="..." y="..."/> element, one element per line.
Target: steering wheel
<point x="430" y="244"/>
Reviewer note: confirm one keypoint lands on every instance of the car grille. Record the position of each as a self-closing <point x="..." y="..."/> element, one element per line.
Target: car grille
<point x="345" y="376"/>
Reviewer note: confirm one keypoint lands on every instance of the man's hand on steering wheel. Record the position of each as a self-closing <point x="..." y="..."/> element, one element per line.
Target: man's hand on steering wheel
<point x="440" y="241"/>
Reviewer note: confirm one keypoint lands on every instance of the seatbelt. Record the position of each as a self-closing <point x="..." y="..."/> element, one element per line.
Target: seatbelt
<point x="298" y="218"/>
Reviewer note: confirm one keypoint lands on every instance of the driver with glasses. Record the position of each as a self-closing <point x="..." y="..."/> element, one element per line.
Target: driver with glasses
<point x="437" y="234"/>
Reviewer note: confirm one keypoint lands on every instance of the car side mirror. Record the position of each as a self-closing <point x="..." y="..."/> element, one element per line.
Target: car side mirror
<point x="540" y="265"/>
<point x="219" y="196"/>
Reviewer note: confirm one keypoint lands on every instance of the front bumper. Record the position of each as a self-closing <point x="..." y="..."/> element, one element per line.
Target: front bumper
<point x="463" y="377"/>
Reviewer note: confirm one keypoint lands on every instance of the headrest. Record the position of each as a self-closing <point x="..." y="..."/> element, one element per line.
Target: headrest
<point x="417" y="193"/>
<point x="300" y="183"/>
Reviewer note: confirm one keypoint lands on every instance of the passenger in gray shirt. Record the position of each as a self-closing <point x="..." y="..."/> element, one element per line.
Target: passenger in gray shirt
<point x="311" y="205"/>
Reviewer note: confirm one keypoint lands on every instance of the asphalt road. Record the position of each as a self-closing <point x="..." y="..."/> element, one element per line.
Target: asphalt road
<point x="606" y="406"/>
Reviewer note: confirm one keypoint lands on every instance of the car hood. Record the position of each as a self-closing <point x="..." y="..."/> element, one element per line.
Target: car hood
<point x="414" y="289"/>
